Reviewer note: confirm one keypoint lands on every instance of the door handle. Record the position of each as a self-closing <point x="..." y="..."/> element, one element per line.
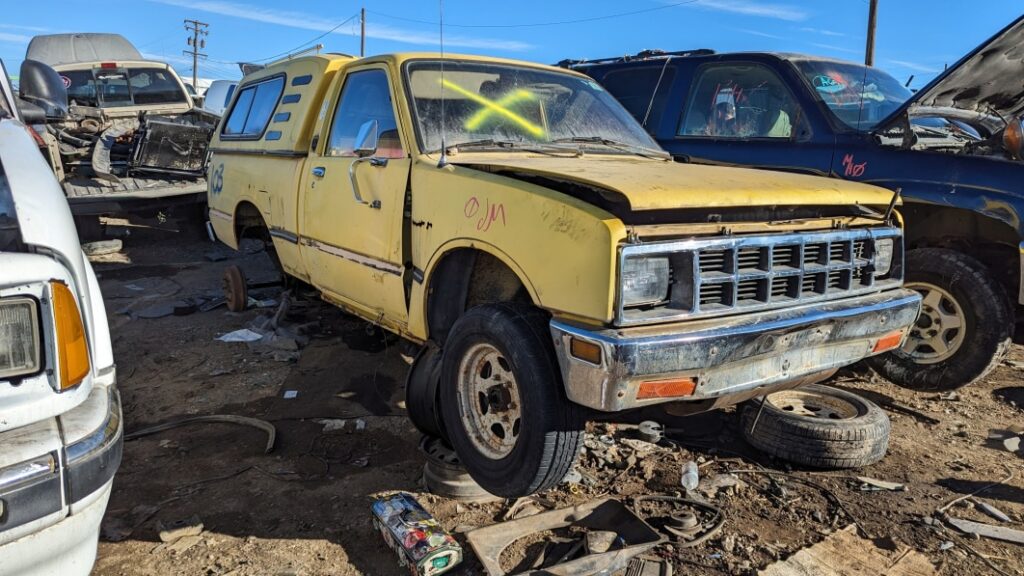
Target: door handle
<point x="319" y="171"/>
<point x="379" y="163"/>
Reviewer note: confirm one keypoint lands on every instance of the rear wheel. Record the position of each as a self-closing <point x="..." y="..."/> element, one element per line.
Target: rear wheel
<point x="964" y="329"/>
<point x="503" y="401"/>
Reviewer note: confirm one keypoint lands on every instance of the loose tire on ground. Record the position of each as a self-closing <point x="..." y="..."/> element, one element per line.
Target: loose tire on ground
<point x="503" y="402"/>
<point x="817" y="426"/>
<point x="236" y="291"/>
<point x="964" y="330"/>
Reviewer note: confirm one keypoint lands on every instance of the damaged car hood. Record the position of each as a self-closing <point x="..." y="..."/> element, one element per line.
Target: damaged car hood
<point x="660" y="185"/>
<point x="986" y="81"/>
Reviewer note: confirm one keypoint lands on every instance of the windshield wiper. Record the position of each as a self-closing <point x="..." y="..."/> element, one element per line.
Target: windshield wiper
<point x="536" y="147"/>
<point x="632" y="149"/>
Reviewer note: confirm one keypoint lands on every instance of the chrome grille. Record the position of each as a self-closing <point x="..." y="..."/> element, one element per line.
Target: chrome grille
<point x="723" y="275"/>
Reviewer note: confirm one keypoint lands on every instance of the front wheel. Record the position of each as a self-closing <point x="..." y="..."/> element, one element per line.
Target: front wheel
<point x="503" y="401"/>
<point x="964" y="329"/>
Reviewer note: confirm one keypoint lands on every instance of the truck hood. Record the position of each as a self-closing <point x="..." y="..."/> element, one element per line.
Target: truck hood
<point x="986" y="81"/>
<point x="662" y="185"/>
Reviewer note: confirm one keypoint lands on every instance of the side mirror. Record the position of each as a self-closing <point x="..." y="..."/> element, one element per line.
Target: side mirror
<point x="366" y="139"/>
<point x="43" y="87"/>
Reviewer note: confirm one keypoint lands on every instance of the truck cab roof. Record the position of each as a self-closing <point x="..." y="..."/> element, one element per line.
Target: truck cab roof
<point x="77" y="48"/>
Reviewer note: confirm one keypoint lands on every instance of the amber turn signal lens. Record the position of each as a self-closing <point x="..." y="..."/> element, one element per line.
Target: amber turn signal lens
<point x="666" y="388"/>
<point x="72" y="350"/>
<point x="889" y="341"/>
<point x="1013" y="138"/>
<point x="587" y="351"/>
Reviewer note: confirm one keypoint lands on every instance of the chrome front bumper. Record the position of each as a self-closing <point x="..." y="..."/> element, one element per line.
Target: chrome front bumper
<point x="730" y="356"/>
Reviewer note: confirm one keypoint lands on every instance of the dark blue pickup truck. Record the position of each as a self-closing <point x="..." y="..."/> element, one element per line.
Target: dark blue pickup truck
<point x="954" y="149"/>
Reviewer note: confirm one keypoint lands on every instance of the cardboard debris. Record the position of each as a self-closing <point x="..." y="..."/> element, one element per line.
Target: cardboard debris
<point x="845" y="553"/>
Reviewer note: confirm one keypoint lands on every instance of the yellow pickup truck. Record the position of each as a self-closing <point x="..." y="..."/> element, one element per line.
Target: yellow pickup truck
<point x="514" y="221"/>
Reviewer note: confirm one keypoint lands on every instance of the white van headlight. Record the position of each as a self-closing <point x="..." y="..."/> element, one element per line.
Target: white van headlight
<point x="645" y="280"/>
<point x="19" y="337"/>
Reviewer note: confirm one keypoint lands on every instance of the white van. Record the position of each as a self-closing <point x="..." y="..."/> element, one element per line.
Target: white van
<point x="60" y="413"/>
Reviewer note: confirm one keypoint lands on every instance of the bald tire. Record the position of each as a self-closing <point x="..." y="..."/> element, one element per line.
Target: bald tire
<point x="551" y="430"/>
<point x="817" y="442"/>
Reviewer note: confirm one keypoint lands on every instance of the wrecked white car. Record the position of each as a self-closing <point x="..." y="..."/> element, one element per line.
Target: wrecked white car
<point x="133" y="140"/>
<point x="60" y="414"/>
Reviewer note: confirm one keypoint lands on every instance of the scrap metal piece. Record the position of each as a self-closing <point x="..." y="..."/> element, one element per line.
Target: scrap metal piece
<point x="634" y="536"/>
<point x="987" y="530"/>
<point x="213" y="418"/>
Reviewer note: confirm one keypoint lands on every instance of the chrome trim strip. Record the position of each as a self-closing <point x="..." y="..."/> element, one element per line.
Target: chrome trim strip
<point x="220" y="214"/>
<point x="92" y="461"/>
<point x="356" y="257"/>
<point x="27" y="472"/>
<point x="284" y="235"/>
<point x="686" y="253"/>
<point x="257" y="152"/>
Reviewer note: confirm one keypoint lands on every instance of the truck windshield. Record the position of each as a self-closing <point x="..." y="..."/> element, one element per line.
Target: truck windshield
<point x="505" y="104"/>
<point x="858" y="96"/>
<point x="114" y="87"/>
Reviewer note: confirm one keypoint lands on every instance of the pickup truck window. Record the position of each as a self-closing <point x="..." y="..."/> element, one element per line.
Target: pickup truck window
<point x="365" y="97"/>
<point x="114" y="87"/>
<point x="739" y="101"/>
<point x="252" y="110"/>
<point x="858" y="96"/>
<point x="634" y="88"/>
<point x="518" y="104"/>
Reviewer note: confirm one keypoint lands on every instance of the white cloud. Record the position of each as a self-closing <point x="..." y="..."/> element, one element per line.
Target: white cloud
<point x="758" y="33"/>
<point x="752" y="8"/>
<point x="319" y="24"/>
<point x="16" y="38"/>
<point x="916" y="67"/>
<point x="837" y="48"/>
<point x="821" y="31"/>
<point x="20" y="27"/>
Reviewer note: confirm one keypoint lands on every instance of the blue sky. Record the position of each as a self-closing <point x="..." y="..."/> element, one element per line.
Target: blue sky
<point x="914" y="36"/>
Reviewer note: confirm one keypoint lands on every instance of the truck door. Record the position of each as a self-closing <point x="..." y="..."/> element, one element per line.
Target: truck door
<point x="353" y="199"/>
<point x="743" y="113"/>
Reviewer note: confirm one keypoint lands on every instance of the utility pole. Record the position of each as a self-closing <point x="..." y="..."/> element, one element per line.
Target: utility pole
<point x="362" y="32"/>
<point x="197" y="40"/>
<point x="869" y="52"/>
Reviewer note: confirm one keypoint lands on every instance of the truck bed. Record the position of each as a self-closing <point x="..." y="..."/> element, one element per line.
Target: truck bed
<point x="88" y="196"/>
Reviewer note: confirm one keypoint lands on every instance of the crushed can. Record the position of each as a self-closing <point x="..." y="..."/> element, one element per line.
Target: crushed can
<point x="418" y="539"/>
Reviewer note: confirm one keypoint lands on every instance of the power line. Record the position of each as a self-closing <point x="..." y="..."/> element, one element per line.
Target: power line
<point x="538" y="24"/>
<point x="276" y="56"/>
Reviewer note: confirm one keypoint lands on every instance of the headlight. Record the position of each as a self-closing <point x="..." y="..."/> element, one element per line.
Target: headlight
<point x="883" y="255"/>
<point x="19" y="337"/>
<point x="644" y="280"/>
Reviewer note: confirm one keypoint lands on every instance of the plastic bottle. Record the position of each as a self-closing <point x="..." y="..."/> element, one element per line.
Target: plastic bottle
<point x="691" y="476"/>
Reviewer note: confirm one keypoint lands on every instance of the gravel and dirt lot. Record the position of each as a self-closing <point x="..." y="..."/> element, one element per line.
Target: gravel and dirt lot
<point x="304" y="508"/>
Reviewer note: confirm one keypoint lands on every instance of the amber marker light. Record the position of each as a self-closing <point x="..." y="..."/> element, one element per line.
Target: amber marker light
<point x="586" y="351"/>
<point x="666" y="388"/>
<point x="889" y="341"/>
<point x="72" y="351"/>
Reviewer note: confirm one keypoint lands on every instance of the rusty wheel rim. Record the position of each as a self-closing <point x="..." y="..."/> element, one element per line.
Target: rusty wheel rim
<point x="813" y="405"/>
<point x="489" y="401"/>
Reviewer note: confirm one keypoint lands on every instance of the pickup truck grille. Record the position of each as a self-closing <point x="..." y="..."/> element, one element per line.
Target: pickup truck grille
<point x="728" y="275"/>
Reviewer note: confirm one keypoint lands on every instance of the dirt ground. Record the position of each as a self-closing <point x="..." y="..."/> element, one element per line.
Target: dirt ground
<point x="304" y="508"/>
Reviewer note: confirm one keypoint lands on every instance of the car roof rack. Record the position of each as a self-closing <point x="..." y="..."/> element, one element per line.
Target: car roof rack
<point x="642" y="55"/>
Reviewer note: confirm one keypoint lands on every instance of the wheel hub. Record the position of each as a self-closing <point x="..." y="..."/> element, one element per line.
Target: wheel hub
<point x="489" y="401"/>
<point x="812" y="405"/>
<point x="939" y="330"/>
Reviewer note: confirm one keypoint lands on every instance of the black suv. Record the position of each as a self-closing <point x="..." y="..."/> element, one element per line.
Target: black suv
<point x="953" y="149"/>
